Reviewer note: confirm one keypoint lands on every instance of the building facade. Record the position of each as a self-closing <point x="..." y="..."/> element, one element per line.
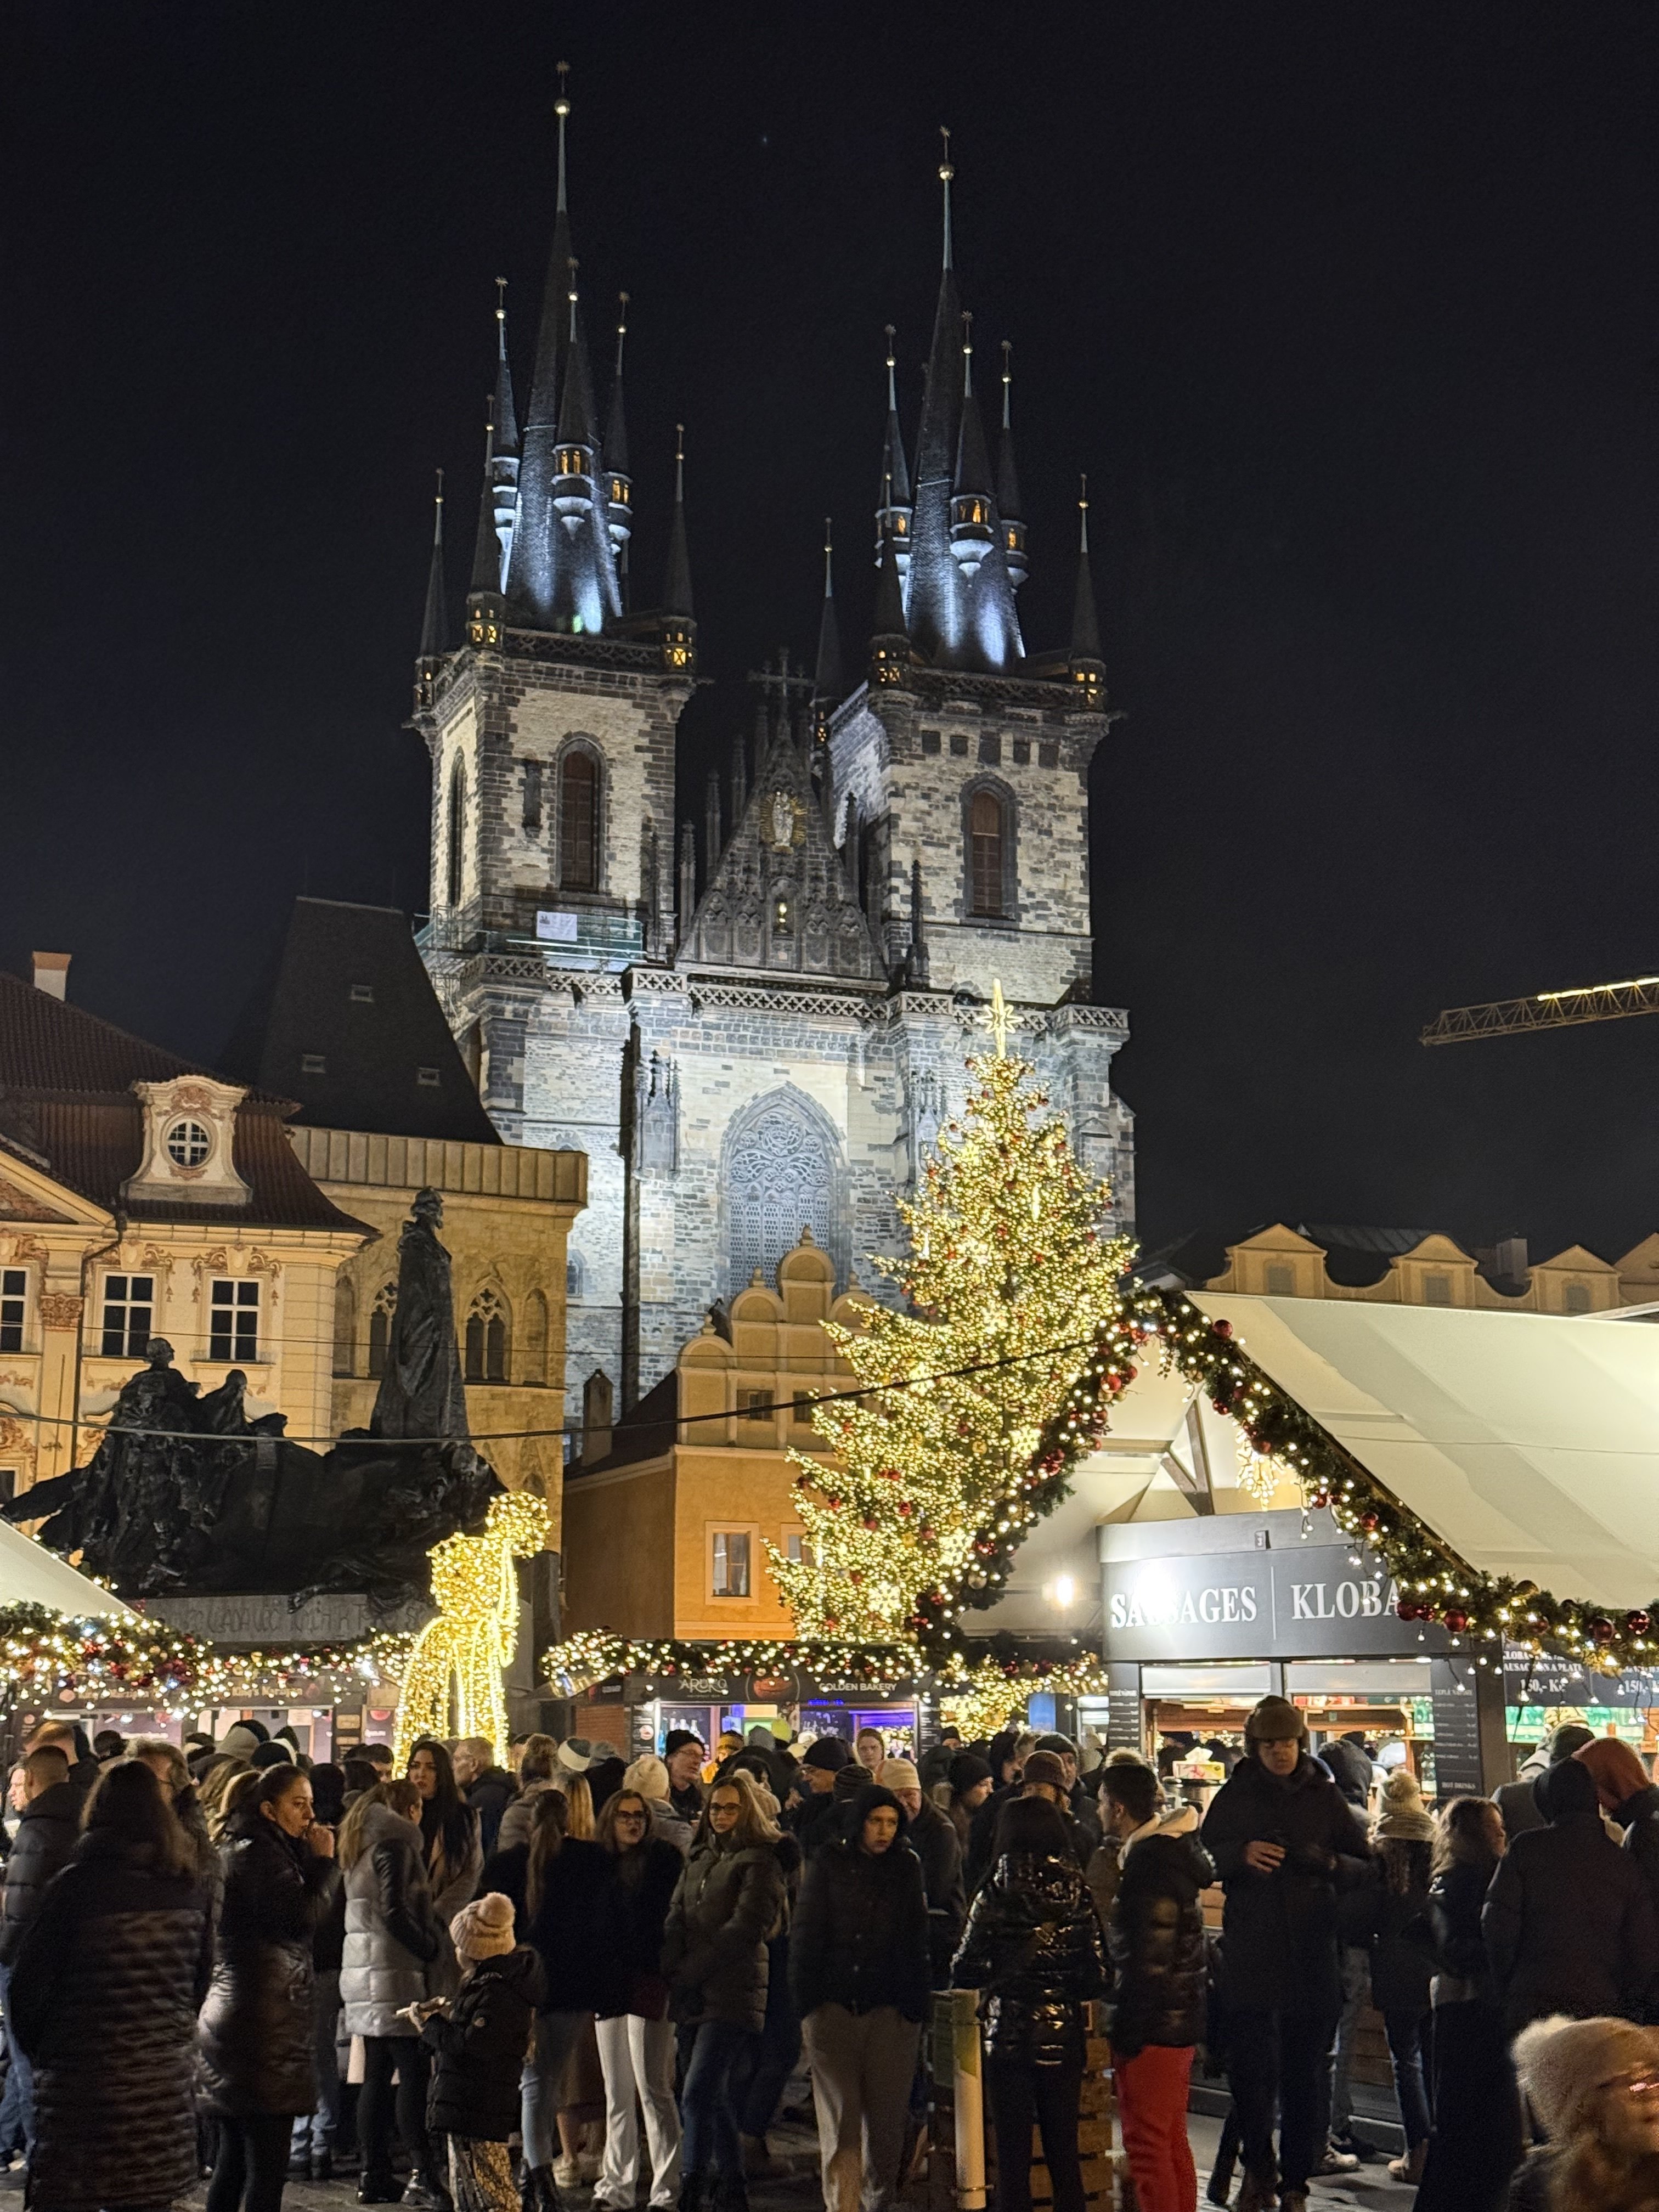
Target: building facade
<point x="756" y="1022"/>
<point x="142" y="1197"/>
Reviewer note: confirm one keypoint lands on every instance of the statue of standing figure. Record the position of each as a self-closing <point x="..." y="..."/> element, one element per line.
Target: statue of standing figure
<point x="421" y="1392"/>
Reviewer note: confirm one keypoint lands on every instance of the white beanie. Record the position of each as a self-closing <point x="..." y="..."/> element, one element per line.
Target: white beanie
<point x="1561" y="2060"/>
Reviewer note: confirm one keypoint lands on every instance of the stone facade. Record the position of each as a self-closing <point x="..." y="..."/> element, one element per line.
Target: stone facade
<point x="731" y="1080"/>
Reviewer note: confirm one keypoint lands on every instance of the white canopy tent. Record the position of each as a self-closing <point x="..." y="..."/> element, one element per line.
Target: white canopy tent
<point x="1528" y="1441"/>
<point x="30" y="1575"/>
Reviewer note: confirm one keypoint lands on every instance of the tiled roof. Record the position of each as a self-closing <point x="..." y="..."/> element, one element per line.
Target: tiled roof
<point x="350" y="1026"/>
<point x="67" y="1104"/>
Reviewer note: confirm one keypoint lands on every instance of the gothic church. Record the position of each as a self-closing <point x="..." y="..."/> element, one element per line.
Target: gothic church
<point x="758" y="1022"/>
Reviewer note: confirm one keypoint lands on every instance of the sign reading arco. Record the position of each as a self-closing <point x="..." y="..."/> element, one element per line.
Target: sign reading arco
<point x="1309" y="1603"/>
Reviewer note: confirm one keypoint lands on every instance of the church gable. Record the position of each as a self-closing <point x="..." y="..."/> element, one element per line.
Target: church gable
<point x="780" y="901"/>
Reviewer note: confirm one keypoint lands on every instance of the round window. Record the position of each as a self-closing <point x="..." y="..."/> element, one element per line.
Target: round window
<point x="188" y="1144"/>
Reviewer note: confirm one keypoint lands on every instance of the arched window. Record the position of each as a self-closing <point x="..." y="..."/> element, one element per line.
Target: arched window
<point x="575" y="1277"/>
<point x="486" y="1338"/>
<point x="986" y="837"/>
<point x="345" y="1327"/>
<point x="579" y="821"/>
<point x="779" y="1176"/>
<point x="379" y="1328"/>
<point x="457" y="832"/>
<point x="532" y="1368"/>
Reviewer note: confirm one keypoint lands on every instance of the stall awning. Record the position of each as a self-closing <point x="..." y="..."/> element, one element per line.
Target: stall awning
<point x="1528" y="1441"/>
<point x="30" y="1575"/>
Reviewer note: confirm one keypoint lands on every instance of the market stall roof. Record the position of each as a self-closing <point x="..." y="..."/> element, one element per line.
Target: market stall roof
<point x="1529" y="1443"/>
<point x="30" y="1575"/>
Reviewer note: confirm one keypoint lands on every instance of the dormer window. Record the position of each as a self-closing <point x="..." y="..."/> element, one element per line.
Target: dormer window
<point x="188" y="1142"/>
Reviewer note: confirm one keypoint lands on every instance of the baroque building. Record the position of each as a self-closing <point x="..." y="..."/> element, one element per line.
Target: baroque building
<point x="755" y="1023"/>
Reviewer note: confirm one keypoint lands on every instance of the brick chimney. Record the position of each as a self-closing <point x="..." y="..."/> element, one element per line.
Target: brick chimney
<point x="51" y="974"/>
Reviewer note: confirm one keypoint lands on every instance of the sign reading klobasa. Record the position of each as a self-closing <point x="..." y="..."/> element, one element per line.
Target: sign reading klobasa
<point x="1310" y="1603"/>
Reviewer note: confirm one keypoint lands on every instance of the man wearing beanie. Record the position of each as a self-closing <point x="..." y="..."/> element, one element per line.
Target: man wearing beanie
<point x="1518" y="1802"/>
<point x="477" y="2041"/>
<point x="1079" y="1801"/>
<point x="934" y="1839"/>
<point x="1568" y="1921"/>
<point x="1281" y="1836"/>
<point x="1594" y="2085"/>
<point x="817" y="1815"/>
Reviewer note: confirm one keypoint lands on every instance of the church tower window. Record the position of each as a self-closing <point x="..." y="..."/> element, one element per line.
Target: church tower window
<point x="457" y="832"/>
<point x="579" y="822"/>
<point x="986" y="839"/>
<point x="486" y="1340"/>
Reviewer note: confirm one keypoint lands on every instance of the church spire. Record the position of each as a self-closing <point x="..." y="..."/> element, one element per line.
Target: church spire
<point x="677" y="586"/>
<point x="889" y="646"/>
<point x="827" y="689"/>
<point x="894" y="511"/>
<point x="504" y="455"/>
<point x="486" y="609"/>
<point x="619" y="485"/>
<point x="971" y="509"/>
<point x="1010" y="506"/>
<point x="434" y="624"/>
<point x="1087" y="668"/>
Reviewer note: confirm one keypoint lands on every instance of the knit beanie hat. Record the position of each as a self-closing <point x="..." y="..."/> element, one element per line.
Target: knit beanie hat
<point x="483" y="1929"/>
<point x="1044" y="1767"/>
<point x="1561" y="2062"/>
<point x="1404" y="1814"/>
<point x="830" y="1754"/>
<point x="966" y="1769"/>
<point x="1275" y="1720"/>
<point x="898" y="1774"/>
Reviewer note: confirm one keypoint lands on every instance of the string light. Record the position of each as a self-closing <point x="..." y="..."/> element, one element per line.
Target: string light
<point x="59" y="1657"/>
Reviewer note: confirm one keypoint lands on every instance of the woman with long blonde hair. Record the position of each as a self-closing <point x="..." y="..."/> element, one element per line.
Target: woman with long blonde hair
<point x="1595" y="2087"/>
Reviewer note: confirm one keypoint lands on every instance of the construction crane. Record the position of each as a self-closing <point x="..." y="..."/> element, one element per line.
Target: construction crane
<point x="1549" y="1010"/>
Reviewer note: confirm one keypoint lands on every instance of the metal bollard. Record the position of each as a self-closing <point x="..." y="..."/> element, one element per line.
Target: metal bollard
<point x="968" y="2093"/>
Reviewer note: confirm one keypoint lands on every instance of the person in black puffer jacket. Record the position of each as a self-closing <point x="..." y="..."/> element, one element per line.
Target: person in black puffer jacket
<point x="1568" y="1921"/>
<point x="48" y="1830"/>
<point x="1282" y="1838"/>
<point x="476" y="2040"/>
<point x="258" y="2027"/>
<point x="1477" y="2140"/>
<point x="727" y="1903"/>
<point x="1160" y="1967"/>
<point x="1629" y="1799"/>
<point x="858" y="1974"/>
<point x="105" y="1991"/>
<point x="1032" y="1947"/>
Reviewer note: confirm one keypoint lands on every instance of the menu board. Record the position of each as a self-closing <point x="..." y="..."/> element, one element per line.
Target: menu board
<point x="1123" y="1730"/>
<point x="1456" y="1708"/>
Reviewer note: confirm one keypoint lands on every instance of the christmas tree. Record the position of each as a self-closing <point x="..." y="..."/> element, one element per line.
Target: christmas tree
<point x="1009" y="1286"/>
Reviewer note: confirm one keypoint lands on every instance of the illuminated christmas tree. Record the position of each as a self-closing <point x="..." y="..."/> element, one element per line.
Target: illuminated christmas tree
<point x="1009" y="1286"/>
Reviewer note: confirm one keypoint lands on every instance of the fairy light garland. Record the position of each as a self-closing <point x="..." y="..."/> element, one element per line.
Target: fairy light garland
<point x="56" y="1656"/>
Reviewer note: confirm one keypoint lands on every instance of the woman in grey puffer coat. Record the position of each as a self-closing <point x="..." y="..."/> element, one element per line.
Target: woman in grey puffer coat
<point x="395" y="1953"/>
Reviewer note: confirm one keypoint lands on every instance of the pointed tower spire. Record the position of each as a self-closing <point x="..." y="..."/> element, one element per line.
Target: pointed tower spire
<point x="827" y="689"/>
<point x="676" y="588"/>
<point x="434" y="625"/>
<point x="894" y="511"/>
<point x="1087" y="667"/>
<point x="889" y="646"/>
<point x="504" y="459"/>
<point x="972" y="508"/>
<point x="946" y="171"/>
<point x="487" y="548"/>
<point x="619" y="485"/>
<point x="1010" y="507"/>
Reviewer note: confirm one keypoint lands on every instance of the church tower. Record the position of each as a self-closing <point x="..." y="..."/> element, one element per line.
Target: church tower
<point x="756" y="1021"/>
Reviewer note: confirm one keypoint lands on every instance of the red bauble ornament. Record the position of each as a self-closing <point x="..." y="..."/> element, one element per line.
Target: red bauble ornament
<point x="1456" y="1619"/>
<point x="1322" y="1497"/>
<point x="905" y="1508"/>
<point x="855" y="1574"/>
<point x="1368" y="1522"/>
<point x="1406" y="1610"/>
<point x="1223" y="1327"/>
<point x="1636" y="1623"/>
<point x="1601" y="1629"/>
<point x="830" y="1624"/>
<point x="871" y="1521"/>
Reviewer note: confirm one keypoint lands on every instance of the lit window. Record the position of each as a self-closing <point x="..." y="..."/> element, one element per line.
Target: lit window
<point x="756" y="1405"/>
<point x="188" y="1144"/>
<point x="14" y="1306"/>
<point x="313" y="1063"/>
<point x="129" y="1310"/>
<point x="732" y="1565"/>
<point x="234" y="1320"/>
<point x="1436" y="1290"/>
<point x="781" y="925"/>
<point x="1281" y="1280"/>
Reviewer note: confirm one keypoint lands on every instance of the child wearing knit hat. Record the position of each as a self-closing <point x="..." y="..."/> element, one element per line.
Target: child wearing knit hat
<point x="478" y="2041"/>
<point x="1595" y="2087"/>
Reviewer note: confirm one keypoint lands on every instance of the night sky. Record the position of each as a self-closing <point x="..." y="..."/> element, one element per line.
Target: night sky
<point x="1351" y="314"/>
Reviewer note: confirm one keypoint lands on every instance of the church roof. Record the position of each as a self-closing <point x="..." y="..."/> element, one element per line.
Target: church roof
<point x="349" y="1025"/>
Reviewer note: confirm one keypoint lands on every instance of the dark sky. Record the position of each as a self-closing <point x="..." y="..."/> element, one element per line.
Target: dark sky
<point x="1352" y="315"/>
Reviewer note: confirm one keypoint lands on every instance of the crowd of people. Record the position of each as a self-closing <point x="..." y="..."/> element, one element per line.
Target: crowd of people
<point x="226" y="1959"/>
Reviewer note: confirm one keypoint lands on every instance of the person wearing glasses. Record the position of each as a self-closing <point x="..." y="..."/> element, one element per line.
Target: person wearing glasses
<point x="1594" y="2085"/>
<point x="637" y="2041"/>
<point x="728" y="1900"/>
